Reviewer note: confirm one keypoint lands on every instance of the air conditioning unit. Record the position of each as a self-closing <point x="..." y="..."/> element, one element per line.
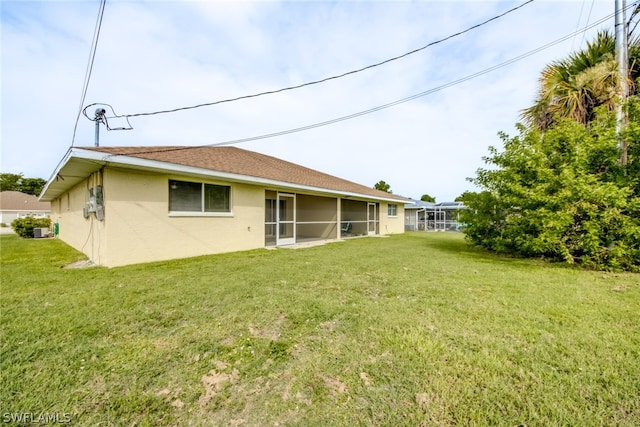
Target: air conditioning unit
<point x="40" y="232"/>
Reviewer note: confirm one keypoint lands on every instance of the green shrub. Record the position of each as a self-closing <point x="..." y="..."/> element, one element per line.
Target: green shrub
<point x="562" y="195"/>
<point x="24" y="226"/>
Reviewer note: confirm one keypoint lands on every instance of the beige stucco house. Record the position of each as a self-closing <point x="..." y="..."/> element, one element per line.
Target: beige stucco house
<point x="125" y="205"/>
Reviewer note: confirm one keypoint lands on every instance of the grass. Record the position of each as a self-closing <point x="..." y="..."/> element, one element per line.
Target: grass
<point x="416" y="329"/>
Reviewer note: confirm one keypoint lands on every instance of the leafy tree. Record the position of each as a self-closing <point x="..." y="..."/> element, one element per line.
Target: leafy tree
<point x="464" y="196"/>
<point x="561" y="194"/>
<point x="10" y="181"/>
<point x="16" y="182"/>
<point x="383" y="186"/>
<point x="428" y="198"/>
<point x="33" y="185"/>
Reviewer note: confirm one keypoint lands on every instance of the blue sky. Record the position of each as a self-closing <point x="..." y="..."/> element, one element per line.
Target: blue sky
<point x="157" y="55"/>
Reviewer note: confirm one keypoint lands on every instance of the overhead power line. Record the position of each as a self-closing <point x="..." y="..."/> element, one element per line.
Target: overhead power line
<point x="578" y="24"/>
<point x="390" y="104"/>
<point x="89" y="70"/>
<point x="588" y="18"/>
<point x="386" y="61"/>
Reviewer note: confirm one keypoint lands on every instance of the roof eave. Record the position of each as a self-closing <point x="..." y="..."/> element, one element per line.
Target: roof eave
<point x="61" y="181"/>
<point x="100" y="159"/>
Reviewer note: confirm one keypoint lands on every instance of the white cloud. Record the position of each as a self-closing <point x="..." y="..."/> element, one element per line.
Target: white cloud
<point x="161" y="55"/>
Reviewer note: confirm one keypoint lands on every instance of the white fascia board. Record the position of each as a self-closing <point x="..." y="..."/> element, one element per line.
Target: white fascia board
<point x="55" y="173"/>
<point x="166" y="167"/>
<point x="54" y="176"/>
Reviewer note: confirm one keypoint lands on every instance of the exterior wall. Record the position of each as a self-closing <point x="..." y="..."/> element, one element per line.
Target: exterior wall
<point x="141" y="230"/>
<point x="138" y="227"/>
<point x="391" y="224"/>
<point x="84" y="234"/>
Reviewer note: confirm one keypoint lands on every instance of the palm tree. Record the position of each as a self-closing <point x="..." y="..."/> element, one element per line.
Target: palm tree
<point x="574" y="86"/>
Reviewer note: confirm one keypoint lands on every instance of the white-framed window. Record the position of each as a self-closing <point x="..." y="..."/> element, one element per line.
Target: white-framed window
<point x="198" y="198"/>
<point x="392" y="210"/>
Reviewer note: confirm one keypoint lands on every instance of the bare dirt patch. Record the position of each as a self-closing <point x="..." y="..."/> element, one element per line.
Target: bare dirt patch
<point x="214" y="382"/>
<point x="271" y="332"/>
<point x="334" y="384"/>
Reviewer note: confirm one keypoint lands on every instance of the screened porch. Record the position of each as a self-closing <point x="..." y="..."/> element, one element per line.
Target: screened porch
<point x="297" y="218"/>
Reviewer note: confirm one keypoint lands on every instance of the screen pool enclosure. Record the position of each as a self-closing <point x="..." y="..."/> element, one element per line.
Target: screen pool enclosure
<point x="425" y="216"/>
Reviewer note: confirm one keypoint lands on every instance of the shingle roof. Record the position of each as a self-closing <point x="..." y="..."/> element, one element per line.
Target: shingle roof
<point x="244" y="162"/>
<point x="17" y="201"/>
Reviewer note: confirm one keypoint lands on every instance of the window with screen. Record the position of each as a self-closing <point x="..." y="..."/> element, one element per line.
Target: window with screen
<point x="198" y="197"/>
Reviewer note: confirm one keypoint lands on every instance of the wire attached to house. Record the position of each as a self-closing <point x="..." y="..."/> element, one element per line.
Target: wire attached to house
<point x="386" y="61"/>
<point x="104" y="119"/>
<point x="384" y="106"/>
<point x="89" y="69"/>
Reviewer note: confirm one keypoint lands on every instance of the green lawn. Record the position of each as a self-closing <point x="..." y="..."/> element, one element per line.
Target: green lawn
<point x="416" y="329"/>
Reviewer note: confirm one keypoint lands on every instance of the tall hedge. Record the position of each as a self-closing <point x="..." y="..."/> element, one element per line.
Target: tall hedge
<point x="562" y="195"/>
<point x="24" y="226"/>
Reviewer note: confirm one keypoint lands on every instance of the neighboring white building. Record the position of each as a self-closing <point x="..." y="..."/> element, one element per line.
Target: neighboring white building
<point x="14" y="204"/>
<point x="427" y="216"/>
